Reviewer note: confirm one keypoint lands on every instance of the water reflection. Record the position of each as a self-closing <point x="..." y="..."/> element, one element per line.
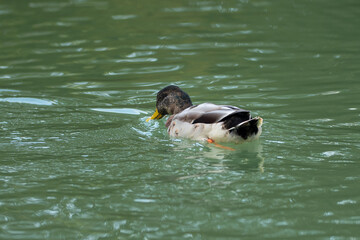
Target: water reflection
<point x="246" y="157"/>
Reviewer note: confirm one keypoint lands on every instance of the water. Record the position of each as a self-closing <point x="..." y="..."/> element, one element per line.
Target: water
<point x="79" y="78"/>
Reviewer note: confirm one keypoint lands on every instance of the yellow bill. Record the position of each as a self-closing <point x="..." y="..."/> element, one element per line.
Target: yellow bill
<point x="156" y="115"/>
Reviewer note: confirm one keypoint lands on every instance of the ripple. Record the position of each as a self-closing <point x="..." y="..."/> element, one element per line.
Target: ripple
<point x="228" y="25"/>
<point x="35" y="34"/>
<point x="123" y="17"/>
<point x="351" y="124"/>
<point x="219" y="35"/>
<point x="145" y="70"/>
<point x="201" y="9"/>
<point x="345" y="221"/>
<point x="8" y="90"/>
<point x="102" y="93"/>
<point x="123" y="60"/>
<point x="136" y="60"/>
<point x="191" y="46"/>
<point x="102" y="49"/>
<point x="346" y="201"/>
<point x="140" y="200"/>
<point x="332" y="153"/>
<point x="140" y="54"/>
<point x="187" y="24"/>
<point x="19" y="76"/>
<point x="48" y="5"/>
<point x="27" y="100"/>
<point x="215" y="78"/>
<point x="70" y="43"/>
<point x="252" y="59"/>
<point x="204" y="45"/>
<point x="330" y="93"/>
<point x="227" y="65"/>
<point x="57" y="50"/>
<point x="130" y="111"/>
<point x="262" y="51"/>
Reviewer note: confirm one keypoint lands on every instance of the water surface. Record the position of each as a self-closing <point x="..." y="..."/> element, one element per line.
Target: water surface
<point x="79" y="78"/>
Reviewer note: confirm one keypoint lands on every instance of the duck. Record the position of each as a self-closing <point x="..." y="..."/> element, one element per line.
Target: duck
<point x="205" y="121"/>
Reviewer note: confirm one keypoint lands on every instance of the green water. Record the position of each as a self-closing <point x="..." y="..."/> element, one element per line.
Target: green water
<point x="78" y="78"/>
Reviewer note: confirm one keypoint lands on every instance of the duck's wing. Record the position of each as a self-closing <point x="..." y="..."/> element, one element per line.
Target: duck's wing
<point x="209" y="113"/>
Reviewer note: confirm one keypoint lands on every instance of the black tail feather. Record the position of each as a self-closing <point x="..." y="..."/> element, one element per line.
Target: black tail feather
<point x="236" y="118"/>
<point x="247" y="129"/>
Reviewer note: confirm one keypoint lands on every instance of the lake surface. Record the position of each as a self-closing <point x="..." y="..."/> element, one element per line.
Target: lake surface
<point x="78" y="78"/>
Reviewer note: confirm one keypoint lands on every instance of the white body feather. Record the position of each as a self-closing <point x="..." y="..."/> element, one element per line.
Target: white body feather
<point x="182" y="125"/>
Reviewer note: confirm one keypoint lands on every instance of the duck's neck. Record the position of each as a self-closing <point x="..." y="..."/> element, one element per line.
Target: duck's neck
<point x="181" y="107"/>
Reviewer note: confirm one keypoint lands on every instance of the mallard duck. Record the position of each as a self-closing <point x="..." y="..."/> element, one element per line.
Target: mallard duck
<point x="206" y="121"/>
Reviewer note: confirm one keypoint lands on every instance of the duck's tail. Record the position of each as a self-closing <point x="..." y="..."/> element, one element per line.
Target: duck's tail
<point x="248" y="129"/>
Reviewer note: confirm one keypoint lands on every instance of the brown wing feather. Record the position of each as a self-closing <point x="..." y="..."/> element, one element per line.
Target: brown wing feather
<point x="211" y="113"/>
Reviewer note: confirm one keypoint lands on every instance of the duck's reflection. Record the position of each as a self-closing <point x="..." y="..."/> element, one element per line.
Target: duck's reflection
<point x="247" y="157"/>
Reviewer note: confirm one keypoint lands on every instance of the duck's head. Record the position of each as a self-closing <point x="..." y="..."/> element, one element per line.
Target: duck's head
<point x="170" y="100"/>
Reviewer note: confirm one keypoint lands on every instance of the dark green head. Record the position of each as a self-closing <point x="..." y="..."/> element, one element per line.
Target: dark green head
<point x="170" y="100"/>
